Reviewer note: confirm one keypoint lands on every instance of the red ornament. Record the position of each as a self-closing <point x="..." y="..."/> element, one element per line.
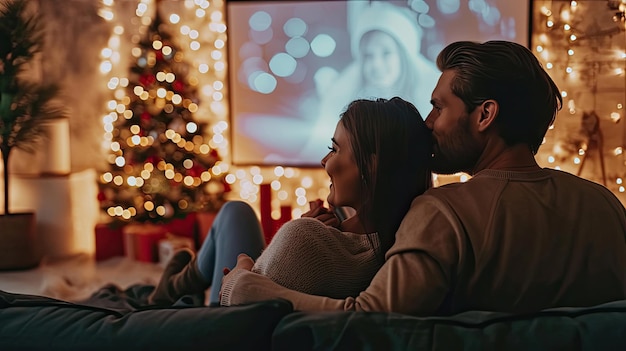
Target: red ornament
<point x="195" y="171"/>
<point x="146" y="80"/>
<point x="101" y="196"/>
<point x="159" y="55"/>
<point x="145" y="117"/>
<point x="178" y="86"/>
<point x="153" y="159"/>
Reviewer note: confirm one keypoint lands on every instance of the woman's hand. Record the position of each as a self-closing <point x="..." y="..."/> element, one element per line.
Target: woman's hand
<point x="243" y="262"/>
<point x="322" y="214"/>
<point x="315" y="207"/>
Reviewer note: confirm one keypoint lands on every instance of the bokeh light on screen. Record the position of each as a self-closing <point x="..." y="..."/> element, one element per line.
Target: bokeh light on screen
<point x="419" y="6"/>
<point x="295" y="27"/>
<point x="426" y="21"/>
<point x="251" y="65"/>
<point x="262" y="82"/>
<point x="282" y="65"/>
<point x="298" y="75"/>
<point x="297" y="47"/>
<point x="249" y="49"/>
<point x="448" y="7"/>
<point x="260" y="21"/>
<point x="324" y="74"/>
<point x="262" y="37"/>
<point x="323" y="45"/>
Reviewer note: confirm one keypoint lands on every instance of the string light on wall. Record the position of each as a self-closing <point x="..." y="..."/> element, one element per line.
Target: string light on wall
<point x="619" y="6"/>
<point x="586" y="56"/>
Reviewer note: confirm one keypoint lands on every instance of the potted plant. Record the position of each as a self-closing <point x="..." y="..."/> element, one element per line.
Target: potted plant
<point x="25" y="105"/>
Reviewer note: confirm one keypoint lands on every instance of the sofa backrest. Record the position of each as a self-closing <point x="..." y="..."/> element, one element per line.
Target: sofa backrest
<point x="595" y="328"/>
<point x="30" y="322"/>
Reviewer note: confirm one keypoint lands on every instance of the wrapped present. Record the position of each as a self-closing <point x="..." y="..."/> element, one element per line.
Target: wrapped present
<point x="141" y="241"/>
<point x="109" y="241"/>
<point x="170" y="244"/>
<point x="186" y="227"/>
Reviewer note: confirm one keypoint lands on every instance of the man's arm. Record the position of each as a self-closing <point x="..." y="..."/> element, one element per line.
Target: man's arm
<point x="390" y="290"/>
<point x="414" y="279"/>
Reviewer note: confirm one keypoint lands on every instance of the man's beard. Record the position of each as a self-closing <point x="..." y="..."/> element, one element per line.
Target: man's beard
<point x="457" y="151"/>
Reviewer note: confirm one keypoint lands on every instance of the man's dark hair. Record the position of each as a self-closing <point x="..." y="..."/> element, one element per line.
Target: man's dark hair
<point x="510" y="74"/>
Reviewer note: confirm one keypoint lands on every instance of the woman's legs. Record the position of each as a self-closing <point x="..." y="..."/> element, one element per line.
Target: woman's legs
<point x="235" y="230"/>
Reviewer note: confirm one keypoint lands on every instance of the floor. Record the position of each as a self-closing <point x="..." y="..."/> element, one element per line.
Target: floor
<point x="75" y="278"/>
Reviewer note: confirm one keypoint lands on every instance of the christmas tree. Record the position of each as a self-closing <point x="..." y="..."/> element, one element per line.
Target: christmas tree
<point x="161" y="167"/>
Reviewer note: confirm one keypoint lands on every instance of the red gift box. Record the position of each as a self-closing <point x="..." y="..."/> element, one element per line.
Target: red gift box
<point x="186" y="227"/>
<point x="109" y="241"/>
<point x="141" y="241"/>
<point x="171" y="244"/>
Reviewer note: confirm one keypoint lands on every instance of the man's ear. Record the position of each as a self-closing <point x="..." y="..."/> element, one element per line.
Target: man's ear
<point x="489" y="110"/>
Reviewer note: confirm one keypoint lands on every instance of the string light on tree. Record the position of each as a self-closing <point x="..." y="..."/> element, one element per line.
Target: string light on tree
<point x="163" y="163"/>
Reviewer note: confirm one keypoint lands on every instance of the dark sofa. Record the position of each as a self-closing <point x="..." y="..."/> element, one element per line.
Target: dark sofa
<point x="115" y="319"/>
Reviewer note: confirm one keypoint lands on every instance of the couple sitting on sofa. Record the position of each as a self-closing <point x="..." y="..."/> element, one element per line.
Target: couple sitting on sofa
<point x="515" y="238"/>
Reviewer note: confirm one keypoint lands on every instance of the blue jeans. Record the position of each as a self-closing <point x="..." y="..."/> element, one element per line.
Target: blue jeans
<point x="235" y="230"/>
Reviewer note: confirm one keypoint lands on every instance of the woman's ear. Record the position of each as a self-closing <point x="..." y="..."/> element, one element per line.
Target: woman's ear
<point x="489" y="110"/>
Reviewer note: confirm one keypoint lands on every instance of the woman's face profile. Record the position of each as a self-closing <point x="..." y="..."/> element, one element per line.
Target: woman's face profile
<point x="382" y="65"/>
<point x="340" y="164"/>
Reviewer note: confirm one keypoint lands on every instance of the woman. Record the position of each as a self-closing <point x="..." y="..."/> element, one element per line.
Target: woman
<point x="378" y="162"/>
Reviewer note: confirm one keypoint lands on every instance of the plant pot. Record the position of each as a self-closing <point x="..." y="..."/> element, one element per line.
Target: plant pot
<point x="18" y="245"/>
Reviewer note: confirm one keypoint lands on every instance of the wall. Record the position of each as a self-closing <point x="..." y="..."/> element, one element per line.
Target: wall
<point x="583" y="48"/>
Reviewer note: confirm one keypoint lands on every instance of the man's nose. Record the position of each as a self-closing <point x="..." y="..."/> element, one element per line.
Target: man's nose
<point x="430" y="121"/>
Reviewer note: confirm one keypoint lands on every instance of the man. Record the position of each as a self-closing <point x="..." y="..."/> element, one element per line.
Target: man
<point x="514" y="238"/>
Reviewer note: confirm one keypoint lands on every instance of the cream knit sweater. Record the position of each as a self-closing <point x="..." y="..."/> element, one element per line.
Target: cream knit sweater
<point x="308" y="256"/>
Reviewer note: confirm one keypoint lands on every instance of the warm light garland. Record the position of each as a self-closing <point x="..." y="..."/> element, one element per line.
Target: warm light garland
<point x="559" y="44"/>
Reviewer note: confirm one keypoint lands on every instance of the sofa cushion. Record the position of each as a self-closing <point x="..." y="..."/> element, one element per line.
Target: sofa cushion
<point x="30" y="322"/>
<point x="600" y="327"/>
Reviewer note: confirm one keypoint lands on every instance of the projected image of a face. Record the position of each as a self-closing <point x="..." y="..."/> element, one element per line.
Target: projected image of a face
<point x="381" y="57"/>
<point x="294" y="66"/>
